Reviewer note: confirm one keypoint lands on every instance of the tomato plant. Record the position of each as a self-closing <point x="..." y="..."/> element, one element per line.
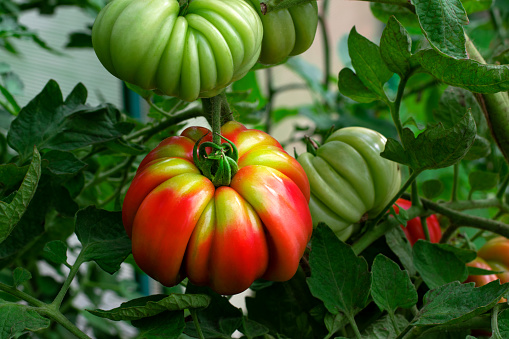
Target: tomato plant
<point x="183" y="214"/>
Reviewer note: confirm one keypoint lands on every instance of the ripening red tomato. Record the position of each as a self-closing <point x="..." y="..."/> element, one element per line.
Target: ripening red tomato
<point x="413" y="229"/>
<point x="224" y="237"/>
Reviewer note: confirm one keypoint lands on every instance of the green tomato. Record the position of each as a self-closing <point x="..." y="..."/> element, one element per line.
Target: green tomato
<point x="150" y="44"/>
<point x="287" y="32"/>
<point x="349" y="179"/>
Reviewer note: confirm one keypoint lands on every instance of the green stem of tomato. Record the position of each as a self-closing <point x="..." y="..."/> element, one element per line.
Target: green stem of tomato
<point x="67" y="283"/>
<point x="502" y="188"/>
<point x="355" y="328"/>
<point x="394" y="323"/>
<point x="395" y="106"/>
<point x="410" y="180"/>
<point x="425" y="229"/>
<point x="379" y="230"/>
<point x="270" y="99"/>
<point x="455" y="180"/>
<point x="322" y="19"/>
<point x="197" y="323"/>
<point x="463" y="219"/>
<point x="494" y="322"/>
<point x="212" y="107"/>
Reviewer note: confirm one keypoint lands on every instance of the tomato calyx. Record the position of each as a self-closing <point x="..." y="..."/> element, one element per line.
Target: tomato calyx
<point x="311" y="145"/>
<point x="220" y="164"/>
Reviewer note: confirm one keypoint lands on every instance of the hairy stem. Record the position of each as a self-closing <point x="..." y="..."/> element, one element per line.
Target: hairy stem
<point x="197" y="323"/>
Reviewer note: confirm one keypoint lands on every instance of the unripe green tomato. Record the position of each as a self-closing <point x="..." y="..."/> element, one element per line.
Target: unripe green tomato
<point x="349" y="178"/>
<point x="150" y="44"/>
<point x="287" y="32"/>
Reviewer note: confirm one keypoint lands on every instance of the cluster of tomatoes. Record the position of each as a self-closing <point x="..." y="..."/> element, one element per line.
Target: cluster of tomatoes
<point x="200" y="48"/>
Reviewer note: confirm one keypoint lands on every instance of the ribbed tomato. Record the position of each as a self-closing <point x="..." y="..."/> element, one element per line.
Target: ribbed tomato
<point x="225" y="237"/>
<point x="188" y="54"/>
<point x="349" y="178"/>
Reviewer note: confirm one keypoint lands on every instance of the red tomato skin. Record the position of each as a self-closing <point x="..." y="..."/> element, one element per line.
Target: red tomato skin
<point x="225" y="237"/>
<point x="480" y="280"/>
<point x="413" y="229"/>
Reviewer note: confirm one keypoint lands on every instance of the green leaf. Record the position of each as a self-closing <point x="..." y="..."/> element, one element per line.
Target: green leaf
<point x="463" y="254"/>
<point x="481" y="271"/>
<point x="16" y="319"/>
<point x="432" y="188"/>
<point x="79" y="40"/>
<point x="252" y="329"/>
<point x="68" y="124"/>
<point x="11" y="175"/>
<point x="434" y="148"/>
<point x="384" y="12"/>
<point x="219" y="320"/>
<point x="395" y="47"/>
<point x="56" y="251"/>
<point x="167" y="325"/>
<point x="453" y="104"/>
<point x="383" y="328"/>
<point x="391" y="288"/>
<point x="368" y="63"/>
<point x="338" y="277"/>
<point x="442" y="23"/>
<point x="286" y="307"/>
<point x="399" y="244"/>
<point x="20" y="275"/>
<point x="144" y="93"/>
<point x="64" y="164"/>
<point x="455" y="302"/>
<point x="468" y="74"/>
<point x="351" y="86"/>
<point x="436" y="265"/>
<point x="503" y="323"/>
<point x="481" y="148"/>
<point x="153" y="305"/>
<point x="103" y="237"/>
<point x="473" y="6"/>
<point x="11" y="213"/>
<point x="482" y="180"/>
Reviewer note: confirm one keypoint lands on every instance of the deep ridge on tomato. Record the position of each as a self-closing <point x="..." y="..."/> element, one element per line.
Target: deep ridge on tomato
<point x="349" y="180"/>
<point x="225" y="237"/>
<point x="148" y="43"/>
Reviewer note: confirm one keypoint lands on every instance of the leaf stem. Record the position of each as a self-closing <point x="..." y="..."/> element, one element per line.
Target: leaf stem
<point x="394" y="323"/>
<point x="62" y="320"/>
<point x="455" y="180"/>
<point x="163" y="112"/>
<point x="395" y="106"/>
<point x="270" y="99"/>
<point x="463" y="219"/>
<point x="355" y="328"/>
<point x="67" y="283"/>
<point x="378" y="230"/>
<point x="148" y="131"/>
<point x="21" y="295"/>
<point x="196" y="323"/>
<point x="502" y="188"/>
<point x="322" y="19"/>
<point x="405" y="331"/>
<point x="494" y="322"/>
<point x="409" y="181"/>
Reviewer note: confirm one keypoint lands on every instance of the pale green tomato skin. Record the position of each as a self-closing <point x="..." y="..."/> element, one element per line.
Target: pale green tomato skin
<point x="287" y="32"/>
<point x="349" y="179"/>
<point x="148" y="44"/>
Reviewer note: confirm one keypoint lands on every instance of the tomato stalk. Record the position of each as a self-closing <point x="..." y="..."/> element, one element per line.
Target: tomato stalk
<point x="273" y="5"/>
<point x="220" y="165"/>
